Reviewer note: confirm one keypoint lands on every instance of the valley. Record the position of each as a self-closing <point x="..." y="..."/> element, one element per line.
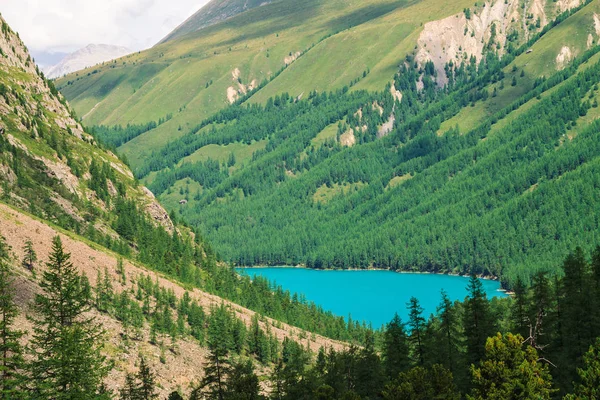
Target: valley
<point x="428" y="169"/>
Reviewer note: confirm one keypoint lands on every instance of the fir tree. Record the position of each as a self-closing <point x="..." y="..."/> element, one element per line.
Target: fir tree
<point x="242" y="383"/>
<point x="395" y="348"/>
<point x="140" y="386"/>
<point x="416" y="322"/>
<point x="478" y="322"/>
<point x="589" y="386"/>
<point x="30" y="257"/>
<point x="369" y="373"/>
<point x="447" y="352"/>
<point x="520" y="318"/>
<point x="11" y="355"/>
<point x="66" y="343"/>
<point x="218" y="367"/>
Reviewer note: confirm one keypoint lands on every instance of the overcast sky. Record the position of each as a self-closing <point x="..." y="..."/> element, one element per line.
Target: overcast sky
<point x="48" y="26"/>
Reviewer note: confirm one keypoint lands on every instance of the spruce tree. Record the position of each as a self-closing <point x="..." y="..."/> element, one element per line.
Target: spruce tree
<point x="369" y="373"/>
<point x="30" y="257"/>
<point x="242" y="383"/>
<point x="140" y="386"/>
<point x="447" y="352"/>
<point x="588" y="387"/>
<point x="416" y="322"/>
<point x="66" y="341"/>
<point x="478" y="322"/>
<point x="395" y="348"/>
<point x="520" y="318"/>
<point x="11" y="355"/>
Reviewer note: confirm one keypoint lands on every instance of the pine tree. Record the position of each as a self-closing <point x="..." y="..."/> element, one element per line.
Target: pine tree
<point x="395" y="348"/>
<point x="510" y="372"/>
<point x="242" y="383"/>
<point x="447" y="352"/>
<point x="30" y="257"/>
<point x="66" y="343"/>
<point x="140" y="386"/>
<point x="11" y="355"/>
<point x="478" y="322"/>
<point x="369" y="374"/>
<point x="589" y="386"/>
<point x="416" y="322"/>
<point x="520" y="318"/>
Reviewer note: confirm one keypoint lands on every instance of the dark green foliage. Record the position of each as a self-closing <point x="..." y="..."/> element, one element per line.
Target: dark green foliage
<point x="174" y="396"/>
<point x="416" y="323"/>
<point x="478" y="321"/>
<point x="140" y="386"/>
<point x="30" y="257"/>
<point x="66" y="343"/>
<point x="589" y="376"/>
<point x="419" y="383"/>
<point x="12" y="378"/>
<point x="395" y="348"/>
<point x="115" y="136"/>
<point x="242" y="383"/>
<point x="216" y="371"/>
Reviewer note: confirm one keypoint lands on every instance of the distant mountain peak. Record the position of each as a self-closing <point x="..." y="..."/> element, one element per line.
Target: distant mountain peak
<point x="88" y="56"/>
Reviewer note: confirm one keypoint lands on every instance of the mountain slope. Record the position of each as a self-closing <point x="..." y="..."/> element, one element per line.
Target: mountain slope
<point x="327" y="45"/>
<point x="88" y="56"/>
<point x="158" y="290"/>
<point x="399" y="177"/>
<point x="473" y="177"/>
<point x="212" y="13"/>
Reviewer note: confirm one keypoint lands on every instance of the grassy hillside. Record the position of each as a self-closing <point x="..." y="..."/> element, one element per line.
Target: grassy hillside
<point x="173" y="78"/>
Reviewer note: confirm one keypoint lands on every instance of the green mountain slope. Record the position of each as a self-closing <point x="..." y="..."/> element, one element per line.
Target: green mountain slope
<point x="192" y="76"/>
<point x="453" y="154"/>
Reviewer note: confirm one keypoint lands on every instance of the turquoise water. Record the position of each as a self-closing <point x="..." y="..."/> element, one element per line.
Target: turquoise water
<point x="371" y="296"/>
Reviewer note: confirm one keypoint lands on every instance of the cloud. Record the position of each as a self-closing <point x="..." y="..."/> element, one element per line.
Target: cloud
<point x="67" y="25"/>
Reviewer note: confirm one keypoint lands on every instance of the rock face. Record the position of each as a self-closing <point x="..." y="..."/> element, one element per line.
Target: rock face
<point x="89" y="56"/>
<point x="213" y="13"/>
<point x="468" y="34"/>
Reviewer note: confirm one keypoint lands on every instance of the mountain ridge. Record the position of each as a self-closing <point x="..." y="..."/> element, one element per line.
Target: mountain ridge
<point x="88" y="56"/>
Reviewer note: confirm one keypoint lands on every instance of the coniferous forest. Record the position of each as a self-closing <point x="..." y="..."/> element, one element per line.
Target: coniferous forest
<point x="421" y="197"/>
<point x="540" y="344"/>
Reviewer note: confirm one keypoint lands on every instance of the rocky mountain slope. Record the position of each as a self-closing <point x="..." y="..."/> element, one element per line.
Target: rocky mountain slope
<point x="56" y="180"/>
<point x="88" y="56"/>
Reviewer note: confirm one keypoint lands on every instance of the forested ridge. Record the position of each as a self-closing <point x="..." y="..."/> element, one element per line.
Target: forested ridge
<point x="502" y="199"/>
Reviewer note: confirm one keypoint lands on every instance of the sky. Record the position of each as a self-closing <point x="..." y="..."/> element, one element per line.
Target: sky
<point x="63" y="26"/>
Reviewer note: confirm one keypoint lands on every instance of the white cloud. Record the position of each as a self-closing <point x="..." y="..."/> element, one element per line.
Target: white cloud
<point x="67" y="25"/>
